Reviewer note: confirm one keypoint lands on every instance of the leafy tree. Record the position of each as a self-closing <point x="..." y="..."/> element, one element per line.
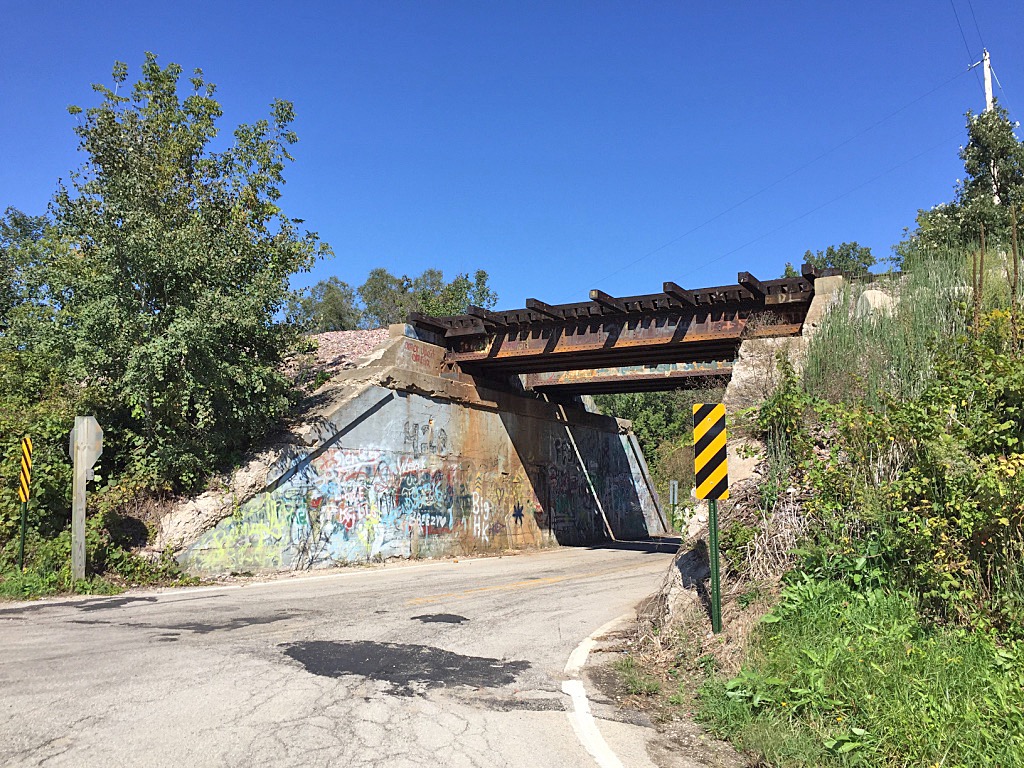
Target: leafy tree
<point x="994" y="181"/>
<point x="389" y="299"/>
<point x="330" y="305"/>
<point x="20" y="235"/>
<point x="656" y="416"/>
<point x="386" y="298"/>
<point x="790" y="270"/>
<point x="850" y="258"/>
<point x="993" y="185"/>
<point x="174" y="262"/>
<point x="455" y="297"/>
<point x="34" y="399"/>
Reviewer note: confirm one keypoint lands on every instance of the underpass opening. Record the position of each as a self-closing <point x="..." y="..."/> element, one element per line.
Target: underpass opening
<point x="679" y="339"/>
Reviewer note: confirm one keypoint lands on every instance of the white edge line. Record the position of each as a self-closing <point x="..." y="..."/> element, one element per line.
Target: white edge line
<point x="580" y="718"/>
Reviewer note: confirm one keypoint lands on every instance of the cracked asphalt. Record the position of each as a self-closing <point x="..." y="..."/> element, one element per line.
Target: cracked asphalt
<point x="430" y="663"/>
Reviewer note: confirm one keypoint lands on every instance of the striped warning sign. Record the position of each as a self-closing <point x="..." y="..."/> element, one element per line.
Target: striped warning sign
<point x="25" y="479"/>
<point x="709" y="465"/>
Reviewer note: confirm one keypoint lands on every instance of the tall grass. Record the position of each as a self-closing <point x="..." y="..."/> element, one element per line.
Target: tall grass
<point x="870" y="357"/>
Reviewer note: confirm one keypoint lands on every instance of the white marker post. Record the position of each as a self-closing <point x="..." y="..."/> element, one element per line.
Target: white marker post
<point x="86" y="446"/>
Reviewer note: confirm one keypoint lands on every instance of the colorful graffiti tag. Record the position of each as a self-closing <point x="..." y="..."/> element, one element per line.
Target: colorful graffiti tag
<point x="350" y="505"/>
<point x="417" y="496"/>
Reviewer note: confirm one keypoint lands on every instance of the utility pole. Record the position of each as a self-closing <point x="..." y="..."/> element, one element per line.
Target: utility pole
<point x="987" y="62"/>
<point x="85" y="447"/>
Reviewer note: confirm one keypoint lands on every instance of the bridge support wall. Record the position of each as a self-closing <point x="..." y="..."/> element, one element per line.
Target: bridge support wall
<point x="408" y="470"/>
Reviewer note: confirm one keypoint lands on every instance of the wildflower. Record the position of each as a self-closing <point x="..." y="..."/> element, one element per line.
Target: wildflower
<point x="839" y="719"/>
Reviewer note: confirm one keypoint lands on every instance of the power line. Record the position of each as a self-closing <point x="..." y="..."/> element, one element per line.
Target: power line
<point x="850" y="191"/>
<point x="1002" y="90"/>
<point x="787" y="176"/>
<point x="970" y="56"/>
<point x="976" y="27"/>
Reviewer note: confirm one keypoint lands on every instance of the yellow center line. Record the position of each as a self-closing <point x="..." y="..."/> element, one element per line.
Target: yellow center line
<point x="529" y="584"/>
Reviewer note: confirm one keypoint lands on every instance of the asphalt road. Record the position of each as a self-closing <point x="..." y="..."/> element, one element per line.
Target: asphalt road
<point x="433" y="663"/>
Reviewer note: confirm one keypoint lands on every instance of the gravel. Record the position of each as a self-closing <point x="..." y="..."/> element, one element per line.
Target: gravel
<point x="335" y="351"/>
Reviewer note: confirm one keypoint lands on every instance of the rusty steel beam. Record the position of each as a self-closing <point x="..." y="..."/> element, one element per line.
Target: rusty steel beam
<point x="486" y="315"/>
<point x="676" y="326"/>
<point x="612" y="343"/>
<point x="705" y="335"/>
<point x="751" y="283"/>
<point x="428" y="322"/>
<point x="680" y="294"/>
<point x="672" y="300"/>
<point x="626" y="376"/>
<point x="534" y="305"/>
<point x="604" y="335"/>
<point x="605" y="300"/>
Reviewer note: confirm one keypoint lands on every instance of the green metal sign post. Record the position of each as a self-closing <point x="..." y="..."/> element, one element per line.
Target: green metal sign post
<point x="716" y="584"/>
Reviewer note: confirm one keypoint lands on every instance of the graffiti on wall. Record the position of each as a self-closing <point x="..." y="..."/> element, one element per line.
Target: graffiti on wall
<point x="574" y="488"/>
<point x="423" y="438"/>
<point x="350" y="505"/>
<point x="421" y="495"/>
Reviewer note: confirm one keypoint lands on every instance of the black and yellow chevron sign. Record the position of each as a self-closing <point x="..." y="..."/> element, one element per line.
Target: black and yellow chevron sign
<point x="709" y="465"/>
<point x="25" y="480"/>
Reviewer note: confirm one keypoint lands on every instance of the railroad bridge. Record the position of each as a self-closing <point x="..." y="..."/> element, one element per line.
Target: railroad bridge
<point x="465" y="434"/>
<point x="674" y="339"/>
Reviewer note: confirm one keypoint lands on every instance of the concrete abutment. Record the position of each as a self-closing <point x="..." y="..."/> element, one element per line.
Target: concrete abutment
<point x="398" y="459"/>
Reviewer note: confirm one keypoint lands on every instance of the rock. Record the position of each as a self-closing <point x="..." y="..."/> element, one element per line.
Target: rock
<point x="874" y="303"/>
<point x="755" y="373"/>
<point x="685" y="583"/>
<point x="744" y="454"/>
<point x="827" y="291"/>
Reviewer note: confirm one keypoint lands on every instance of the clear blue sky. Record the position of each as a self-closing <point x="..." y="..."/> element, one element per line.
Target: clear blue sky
<point x="554" y="144"/>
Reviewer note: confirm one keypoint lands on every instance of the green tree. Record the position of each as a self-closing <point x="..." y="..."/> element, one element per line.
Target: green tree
<point x="849" y="258"/>
<point x="994" y="181"/>
<point x="20" y="236"/>
<point x="389" y="299"/>
<point x="34" y="399"/>
<point x="657" y="416"/>
<point x="330" y="305"/>
<point x="993" y="184"/>
<point x="174" y="262"/>
<point x="456" y="297"/>
<point x="386" y="298"/>
<point x="790" y="270"/>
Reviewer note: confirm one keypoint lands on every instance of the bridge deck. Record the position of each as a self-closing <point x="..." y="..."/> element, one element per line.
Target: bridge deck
<point x="625" y="339"/>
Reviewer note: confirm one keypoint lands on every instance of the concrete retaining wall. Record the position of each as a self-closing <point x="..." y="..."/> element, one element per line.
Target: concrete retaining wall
<point x="408" y="470"/>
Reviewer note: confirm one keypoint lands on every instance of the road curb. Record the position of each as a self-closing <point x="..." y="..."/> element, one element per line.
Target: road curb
<point x="583" y="723"/>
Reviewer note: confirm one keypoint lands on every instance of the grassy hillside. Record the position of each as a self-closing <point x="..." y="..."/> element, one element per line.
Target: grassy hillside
<point x="899" y="638"/>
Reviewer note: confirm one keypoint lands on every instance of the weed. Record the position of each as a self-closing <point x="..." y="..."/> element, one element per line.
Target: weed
<point x="839" y="676"/>
<point x="751" y="596"/>
<point x="637" y="682"/>
<point x="733" y="542"/>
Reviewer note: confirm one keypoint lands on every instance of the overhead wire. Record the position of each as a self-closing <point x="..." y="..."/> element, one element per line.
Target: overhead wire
<point x="787" y="176"/>
<point x="977" y="29"/>
<point x="805" y="214"/>
<point x="967" y="47"/>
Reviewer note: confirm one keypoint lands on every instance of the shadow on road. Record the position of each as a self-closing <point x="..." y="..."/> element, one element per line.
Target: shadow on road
<point x="661" y="544"/>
